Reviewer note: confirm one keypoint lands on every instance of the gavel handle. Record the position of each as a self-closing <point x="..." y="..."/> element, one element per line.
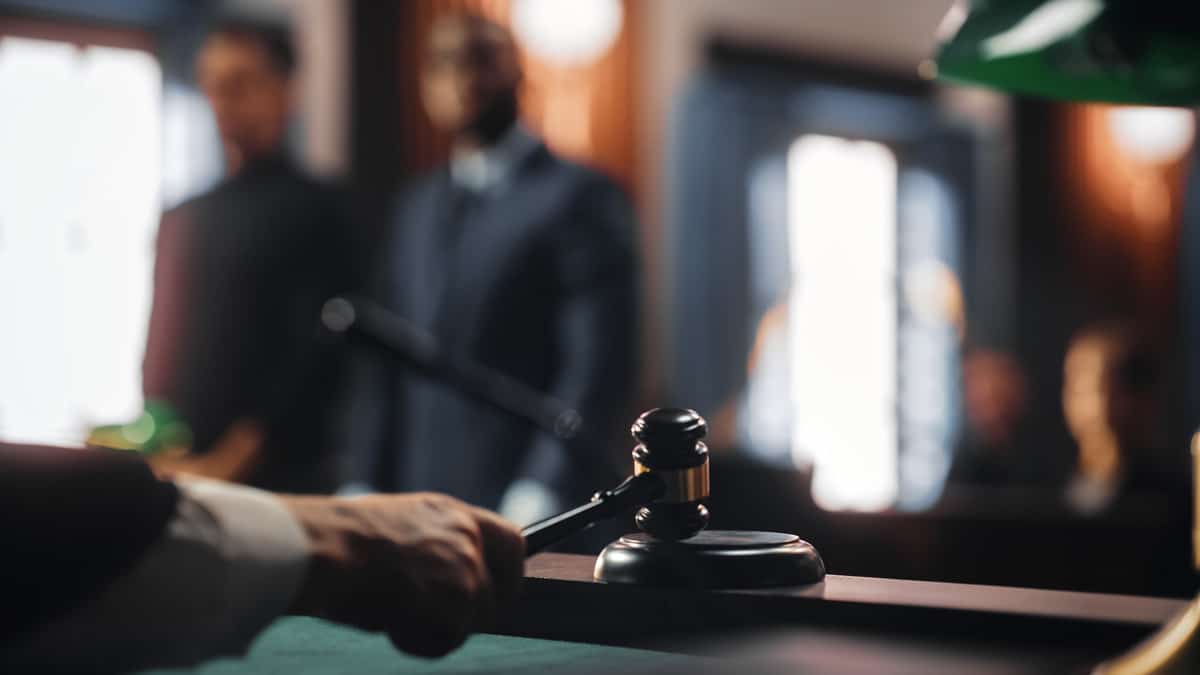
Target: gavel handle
<point x="633" y="491"/>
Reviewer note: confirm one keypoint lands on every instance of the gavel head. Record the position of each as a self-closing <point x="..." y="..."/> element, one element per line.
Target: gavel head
<point x="670" y="446"/>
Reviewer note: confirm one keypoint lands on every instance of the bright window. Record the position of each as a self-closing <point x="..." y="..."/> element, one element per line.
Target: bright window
<point x="79" y="202"/>
<point x="842" y="319"/>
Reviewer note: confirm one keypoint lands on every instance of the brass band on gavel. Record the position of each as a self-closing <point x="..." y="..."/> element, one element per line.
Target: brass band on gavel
<point x="682" y="485"/>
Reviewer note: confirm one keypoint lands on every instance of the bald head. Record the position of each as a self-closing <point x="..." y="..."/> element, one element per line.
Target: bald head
<point x="470" y="78"/>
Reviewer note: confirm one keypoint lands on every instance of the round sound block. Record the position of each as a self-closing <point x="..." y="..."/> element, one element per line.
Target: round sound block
<point x="711" y="559"/>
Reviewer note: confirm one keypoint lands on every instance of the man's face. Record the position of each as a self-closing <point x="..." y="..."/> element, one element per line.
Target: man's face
<point x="250" y="99"/>
<point x="1096" y="398"/>
<point x="470" y="77"/>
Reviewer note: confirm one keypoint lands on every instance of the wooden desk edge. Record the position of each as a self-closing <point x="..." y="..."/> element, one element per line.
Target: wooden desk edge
<point x="562" y="601"/>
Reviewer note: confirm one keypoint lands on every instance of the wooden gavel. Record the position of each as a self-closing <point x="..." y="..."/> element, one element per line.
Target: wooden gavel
<point x="669" y="484"/>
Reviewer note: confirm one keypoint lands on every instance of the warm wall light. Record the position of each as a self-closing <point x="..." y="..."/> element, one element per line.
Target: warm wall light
<point x="1122" y="187"/>
<point x="567" y="32"/>
<point x="1156" y="135"/>
<point x="1127" y="161"/>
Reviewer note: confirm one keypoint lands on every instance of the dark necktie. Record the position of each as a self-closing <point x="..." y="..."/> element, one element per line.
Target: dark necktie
<point x="461" y="206"/>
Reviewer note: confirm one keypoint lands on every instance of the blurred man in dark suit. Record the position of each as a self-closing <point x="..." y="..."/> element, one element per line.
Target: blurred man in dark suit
<point x="239" y="280"/>
<point x="513" y="258"/>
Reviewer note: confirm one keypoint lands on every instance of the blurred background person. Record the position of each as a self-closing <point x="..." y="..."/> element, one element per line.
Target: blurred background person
<point x="1112" y="402"/>
<point x="995" y="395"/>
<point x="514" y="258"/>
<point x="239" y="279"/>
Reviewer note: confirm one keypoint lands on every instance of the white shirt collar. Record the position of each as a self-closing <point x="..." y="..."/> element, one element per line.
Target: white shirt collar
<point x="483" y="169"/>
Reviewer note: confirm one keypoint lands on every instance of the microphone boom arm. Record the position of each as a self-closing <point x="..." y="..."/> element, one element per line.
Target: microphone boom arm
<point x="363" y="322"/>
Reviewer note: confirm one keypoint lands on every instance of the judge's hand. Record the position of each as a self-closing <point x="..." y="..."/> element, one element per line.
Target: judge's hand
<point x="425" y="568"/>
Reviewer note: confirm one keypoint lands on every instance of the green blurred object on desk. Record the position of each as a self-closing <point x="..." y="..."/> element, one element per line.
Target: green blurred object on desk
<point x="303" y="646"/>
<point x="1144" y="52"/>
<point x="159" y="429"/>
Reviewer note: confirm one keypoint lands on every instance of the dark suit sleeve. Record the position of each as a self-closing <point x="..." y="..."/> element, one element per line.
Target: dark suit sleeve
<point x="308" y="370"/>
<point x="596" y="324"/>
<point x="73" y="521"/>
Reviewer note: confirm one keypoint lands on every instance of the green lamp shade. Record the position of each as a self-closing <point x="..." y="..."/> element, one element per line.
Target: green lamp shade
<point x="1144" y="52"/>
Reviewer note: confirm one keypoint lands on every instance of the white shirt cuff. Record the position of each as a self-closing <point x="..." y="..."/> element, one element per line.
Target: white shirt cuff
<point x="263" y="548"/>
